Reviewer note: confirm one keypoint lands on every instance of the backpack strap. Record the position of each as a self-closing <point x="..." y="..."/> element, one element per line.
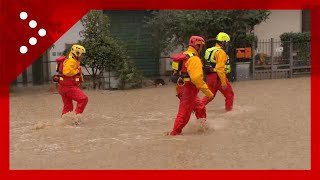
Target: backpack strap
<point x="209" y="59"/>
<point x="211" y="52"/>
<point x="58" y="67"/>
<point x="59" y="61"/>
<point x="189" y="55"/>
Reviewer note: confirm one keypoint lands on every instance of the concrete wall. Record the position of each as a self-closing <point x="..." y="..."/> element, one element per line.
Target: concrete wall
<point x="279" y="21"/>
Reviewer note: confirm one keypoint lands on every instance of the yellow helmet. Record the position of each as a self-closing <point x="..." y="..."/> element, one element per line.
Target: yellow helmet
<point x="223" y="37"/>
<point x="77" y="50"/>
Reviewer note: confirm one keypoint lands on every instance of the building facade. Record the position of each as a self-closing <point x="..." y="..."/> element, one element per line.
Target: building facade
<point x="127" y="25"/>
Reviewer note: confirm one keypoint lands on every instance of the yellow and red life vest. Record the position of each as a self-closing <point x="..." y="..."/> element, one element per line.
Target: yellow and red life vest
<point x="62" y="79"/>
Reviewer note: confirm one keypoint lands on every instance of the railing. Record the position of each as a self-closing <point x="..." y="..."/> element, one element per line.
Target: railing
<point x="276" y="59"/>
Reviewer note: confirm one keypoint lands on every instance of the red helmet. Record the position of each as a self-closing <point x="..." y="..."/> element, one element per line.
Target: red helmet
<point x="196" y="40"/>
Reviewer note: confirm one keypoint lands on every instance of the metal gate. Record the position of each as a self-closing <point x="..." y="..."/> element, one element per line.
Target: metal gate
<point x="274" y="59"/>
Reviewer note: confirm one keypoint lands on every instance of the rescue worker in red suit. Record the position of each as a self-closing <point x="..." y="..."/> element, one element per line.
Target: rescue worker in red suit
<point x="70" y="80"/>
<point x="216" y="67"/>
<point x="192" y="83"/>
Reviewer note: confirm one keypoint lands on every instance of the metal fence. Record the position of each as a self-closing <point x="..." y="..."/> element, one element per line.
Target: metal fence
<point x="268" y="59"/>
<point x="274" y="59"/>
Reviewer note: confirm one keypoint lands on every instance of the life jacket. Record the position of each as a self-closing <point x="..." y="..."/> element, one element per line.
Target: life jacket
<point x="59" y="65"/>
<point x="210" y="62"/>
<point x="59" y="69"/>
<point x="179" y="70"/>
<point x="65" y="80"/>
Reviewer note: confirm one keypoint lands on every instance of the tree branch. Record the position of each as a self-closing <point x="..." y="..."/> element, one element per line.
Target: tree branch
<point x="87" y="70"/>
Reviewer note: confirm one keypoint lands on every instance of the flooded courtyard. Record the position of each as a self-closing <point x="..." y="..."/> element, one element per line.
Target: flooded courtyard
<point x="269" y="128"/>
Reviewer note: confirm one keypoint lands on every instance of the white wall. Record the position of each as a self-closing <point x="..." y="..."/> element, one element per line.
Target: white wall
<point x="279" y="21"/>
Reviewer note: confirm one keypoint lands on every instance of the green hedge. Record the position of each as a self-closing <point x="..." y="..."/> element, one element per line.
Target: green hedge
<point x="296" y="37"/>
<point x="301" y="45"/>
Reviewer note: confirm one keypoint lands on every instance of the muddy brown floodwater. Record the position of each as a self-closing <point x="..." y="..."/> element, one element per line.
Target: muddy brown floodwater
<point x="269" y="128"/>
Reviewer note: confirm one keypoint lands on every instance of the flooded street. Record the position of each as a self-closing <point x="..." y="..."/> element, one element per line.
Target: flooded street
<point x="269" y="128"/>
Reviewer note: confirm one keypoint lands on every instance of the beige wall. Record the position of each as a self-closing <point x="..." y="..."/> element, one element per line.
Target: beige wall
<point x="279" y="21"/>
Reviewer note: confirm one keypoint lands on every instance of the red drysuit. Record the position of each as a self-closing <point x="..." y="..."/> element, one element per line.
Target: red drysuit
<point x="69" y="83"/>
